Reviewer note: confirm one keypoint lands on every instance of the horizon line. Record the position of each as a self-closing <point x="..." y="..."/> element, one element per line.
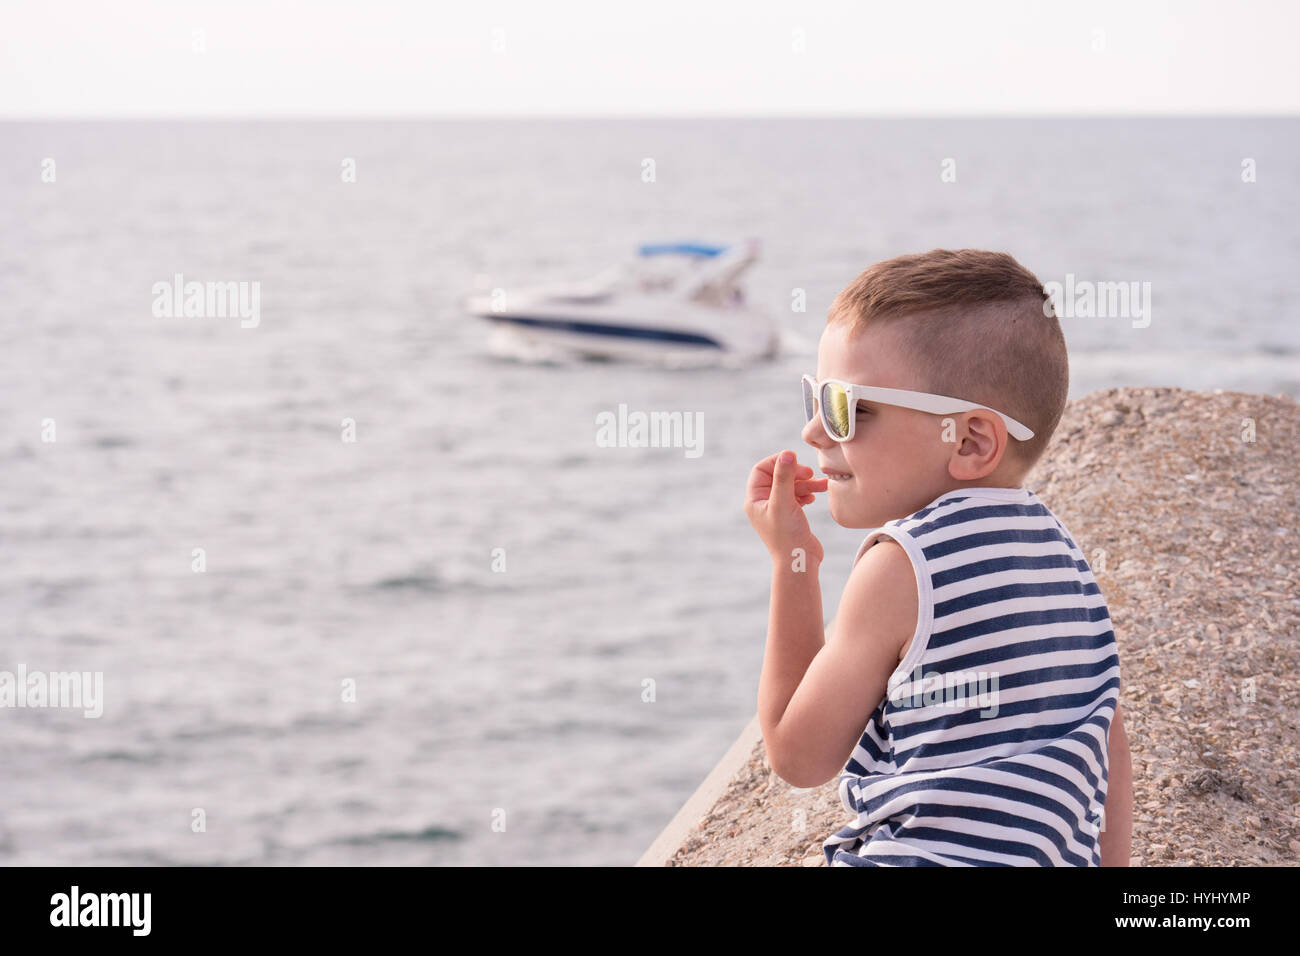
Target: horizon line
<point x="487" y="117"/>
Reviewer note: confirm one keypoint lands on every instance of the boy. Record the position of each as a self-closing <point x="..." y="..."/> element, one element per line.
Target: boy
<point x="971" y="640"/>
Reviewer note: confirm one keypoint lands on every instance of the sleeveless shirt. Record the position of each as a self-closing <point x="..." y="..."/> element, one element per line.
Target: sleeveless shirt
<point x="989" y="747"/>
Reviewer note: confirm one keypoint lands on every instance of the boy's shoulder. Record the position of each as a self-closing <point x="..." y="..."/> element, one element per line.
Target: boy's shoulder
<point x="883" y="582"/>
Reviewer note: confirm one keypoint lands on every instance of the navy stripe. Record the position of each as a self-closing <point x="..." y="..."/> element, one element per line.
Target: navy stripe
<point x="1028" y="678"/>
<point x="1005" y="622"/>
<point x="1030" y="852"/>
<point x="1000" y="512"/>
<point x="1045" y="732"/>
<point x="977" y="569"/>
<point x="955" y="718"/>
<point x="982" y="539"/>
<point x="1047" y="645"/>
<point x="1008" y="592"/>
<point x="850" y="860"/>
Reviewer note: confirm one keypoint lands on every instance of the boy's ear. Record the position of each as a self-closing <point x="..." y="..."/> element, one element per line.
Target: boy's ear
<point x="979" y="444"/>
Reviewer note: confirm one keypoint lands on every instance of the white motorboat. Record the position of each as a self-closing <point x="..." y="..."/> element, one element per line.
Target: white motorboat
<point x="676" y="301"/>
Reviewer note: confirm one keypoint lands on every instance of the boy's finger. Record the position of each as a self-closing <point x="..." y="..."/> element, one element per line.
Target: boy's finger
<point x="783" y="477"/>
<point x="760" y="476"/>
<point x="767" y="466"/>
<point x="817" y="484"/>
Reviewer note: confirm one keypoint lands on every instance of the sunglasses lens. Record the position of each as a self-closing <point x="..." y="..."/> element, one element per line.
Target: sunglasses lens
<point x="809" y="401"/>
<point x="835" y="400"/>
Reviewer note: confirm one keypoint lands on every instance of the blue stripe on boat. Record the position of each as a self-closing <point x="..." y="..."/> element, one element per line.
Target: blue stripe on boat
<point x="680" y="248"/>
<point x="612" y="331"/>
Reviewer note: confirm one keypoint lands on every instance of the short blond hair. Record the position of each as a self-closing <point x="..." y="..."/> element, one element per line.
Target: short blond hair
<point x="974" y="325"/>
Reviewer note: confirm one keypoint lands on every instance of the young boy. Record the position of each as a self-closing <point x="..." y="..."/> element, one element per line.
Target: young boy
<point x="971" y="641"/>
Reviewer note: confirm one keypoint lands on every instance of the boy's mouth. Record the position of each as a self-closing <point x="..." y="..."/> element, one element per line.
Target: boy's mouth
<point x="834" y="475"/>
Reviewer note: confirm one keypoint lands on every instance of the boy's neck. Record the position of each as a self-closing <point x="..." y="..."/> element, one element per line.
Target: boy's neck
<point x="1015" y="484"/>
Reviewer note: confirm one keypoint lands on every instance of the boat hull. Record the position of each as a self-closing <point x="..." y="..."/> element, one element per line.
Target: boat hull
<point x="705" y="335"/>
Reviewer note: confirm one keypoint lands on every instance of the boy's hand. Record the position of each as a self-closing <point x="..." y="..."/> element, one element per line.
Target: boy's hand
<point x="778" y="489"/>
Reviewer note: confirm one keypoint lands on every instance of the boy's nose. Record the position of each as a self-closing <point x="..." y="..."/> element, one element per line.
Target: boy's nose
<point x="814" y="433"/>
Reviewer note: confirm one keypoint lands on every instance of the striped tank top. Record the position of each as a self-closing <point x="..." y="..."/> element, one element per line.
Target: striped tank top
<point x="989" y="747"/>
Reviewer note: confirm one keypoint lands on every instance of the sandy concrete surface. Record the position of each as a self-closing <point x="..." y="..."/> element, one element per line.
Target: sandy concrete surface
<point x="1191" y="529"/>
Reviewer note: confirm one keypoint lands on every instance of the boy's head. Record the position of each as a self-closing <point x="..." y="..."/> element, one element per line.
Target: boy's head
<point x="967" y="324"/>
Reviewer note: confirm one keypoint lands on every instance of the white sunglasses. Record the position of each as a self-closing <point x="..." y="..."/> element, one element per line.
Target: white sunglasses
<point x="839" y="400"/>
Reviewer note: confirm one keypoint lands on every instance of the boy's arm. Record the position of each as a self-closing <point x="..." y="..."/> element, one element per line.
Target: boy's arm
<point x="817" y="691"/>
<point x="795" y="635"/>
<point x="1117" y="822"/>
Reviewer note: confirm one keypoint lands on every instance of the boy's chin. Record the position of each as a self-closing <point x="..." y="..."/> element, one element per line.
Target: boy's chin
<point x="846" y="515"/>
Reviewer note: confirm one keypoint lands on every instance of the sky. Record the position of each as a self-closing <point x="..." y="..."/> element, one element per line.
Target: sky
<point x="175" y="58"/>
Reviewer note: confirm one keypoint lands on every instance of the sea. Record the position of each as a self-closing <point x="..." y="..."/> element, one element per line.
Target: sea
<point x="356" y="584"/>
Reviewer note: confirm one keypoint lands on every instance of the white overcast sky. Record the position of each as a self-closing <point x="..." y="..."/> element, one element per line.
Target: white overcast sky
<point x="661" y="57"/>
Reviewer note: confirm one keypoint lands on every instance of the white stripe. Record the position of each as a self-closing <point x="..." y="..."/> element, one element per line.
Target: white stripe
<point x="996" y="725"/>
<point x="1024" y="662"/>
<point x="989" y="552"/>
<point x="997" y="579"/>
<point x="984" y="697"/>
